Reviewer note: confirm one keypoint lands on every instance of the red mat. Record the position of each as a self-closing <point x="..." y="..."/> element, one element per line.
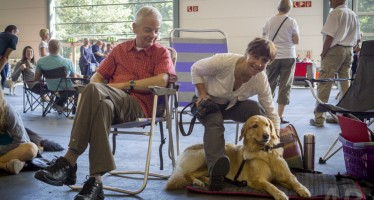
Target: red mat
<point x="321" y="186"/>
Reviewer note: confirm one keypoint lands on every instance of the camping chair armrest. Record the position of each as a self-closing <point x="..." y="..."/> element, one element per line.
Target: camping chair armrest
<point x="160" y="91"/>
<point x="324" y="80"/>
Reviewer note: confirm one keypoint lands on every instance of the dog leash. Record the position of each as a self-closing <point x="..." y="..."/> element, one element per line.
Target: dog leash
<point x="244" y="183"/>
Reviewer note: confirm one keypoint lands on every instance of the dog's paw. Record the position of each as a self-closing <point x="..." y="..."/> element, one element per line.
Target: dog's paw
<point x="304" y="192"/>
<point x="197" y="182"/>
<point x="281" y="196"/>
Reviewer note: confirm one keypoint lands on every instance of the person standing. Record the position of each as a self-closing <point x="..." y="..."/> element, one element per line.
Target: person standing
<point x="132" y="65"/>
<point x="87" y="60"/>
<point x="98" y="52"/>
<point x="8" y="43"/>
<point x="341" y="33"/>
<point x="284" y="32"/>
<point x="43" y="45"/>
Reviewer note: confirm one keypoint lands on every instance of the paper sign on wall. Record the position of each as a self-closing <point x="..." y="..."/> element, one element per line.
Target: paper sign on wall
<point x="192" y="8"/>
<point x="302" y="4"/>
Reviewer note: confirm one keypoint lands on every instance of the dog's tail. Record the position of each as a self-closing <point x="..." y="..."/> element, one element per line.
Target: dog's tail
<point x="177" y="180"/>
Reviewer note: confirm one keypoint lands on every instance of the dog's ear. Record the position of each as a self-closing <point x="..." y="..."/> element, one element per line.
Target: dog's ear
<point x="244" y="129"/>
<point x="272" y="128"/>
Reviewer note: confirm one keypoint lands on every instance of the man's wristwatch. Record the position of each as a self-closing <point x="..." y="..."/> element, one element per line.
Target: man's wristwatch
<point x="132" y="85"/>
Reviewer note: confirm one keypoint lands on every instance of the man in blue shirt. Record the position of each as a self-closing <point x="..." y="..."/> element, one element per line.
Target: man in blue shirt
<point x="8" y="43"/>
<point x="53" y="61"/>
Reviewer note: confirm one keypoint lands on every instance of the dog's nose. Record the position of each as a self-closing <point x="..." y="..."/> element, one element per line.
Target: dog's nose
<point x="265" y="136"/>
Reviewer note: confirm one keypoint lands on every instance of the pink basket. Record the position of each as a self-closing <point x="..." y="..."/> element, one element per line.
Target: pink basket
<point x="359" y="159"/>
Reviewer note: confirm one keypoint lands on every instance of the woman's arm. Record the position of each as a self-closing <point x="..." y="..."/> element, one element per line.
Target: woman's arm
<point x="18" y="70"/>
<point x="43" y="51"/>
<point x="295" y="38"/>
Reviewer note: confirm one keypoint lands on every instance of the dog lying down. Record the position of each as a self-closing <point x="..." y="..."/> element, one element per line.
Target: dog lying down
<point x="264" y="164"/>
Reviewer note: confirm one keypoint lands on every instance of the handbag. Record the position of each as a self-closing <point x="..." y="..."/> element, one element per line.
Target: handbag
<point x="292" y="149"/>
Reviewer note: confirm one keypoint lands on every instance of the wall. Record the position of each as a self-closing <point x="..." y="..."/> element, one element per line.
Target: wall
<point x="29" y="16"/>
<point x="242" y="20"/>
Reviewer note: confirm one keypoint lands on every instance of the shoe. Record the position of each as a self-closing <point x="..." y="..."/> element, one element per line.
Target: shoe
<point x="331" y="120"/>
<point x="218" y="172"/>
<point x="14" y="166"/>
<point x="283" y="121"/>
<point x="59" y="173"/>
<point x="314" y="123"/>
<point x="61" y="109"/>
<point x="92" y="189"/>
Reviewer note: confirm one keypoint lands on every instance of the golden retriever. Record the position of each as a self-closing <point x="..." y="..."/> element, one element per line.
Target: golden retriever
<point x="12" y="86"/>
<point x="263" y="165"/>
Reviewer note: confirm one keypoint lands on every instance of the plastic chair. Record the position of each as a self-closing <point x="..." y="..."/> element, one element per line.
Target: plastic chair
<point x="193" y="45"/>
<point x="162" y="112"/>
<point x="358" y="100"/>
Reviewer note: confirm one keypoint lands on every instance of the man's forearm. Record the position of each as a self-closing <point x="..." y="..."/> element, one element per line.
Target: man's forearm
<point x="326" y="45"/>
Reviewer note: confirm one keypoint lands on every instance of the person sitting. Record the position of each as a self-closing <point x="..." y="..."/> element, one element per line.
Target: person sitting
<point x="26" y="66"/>
<point x="53" y="61"/>
<point x="227" y="80"/>
<point x="15" y="145"/>
<point x="132" y="65"/>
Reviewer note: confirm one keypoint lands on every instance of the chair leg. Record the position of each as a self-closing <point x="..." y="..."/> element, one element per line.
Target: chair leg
<point x="177" y="131"/>
<point x="237" y="133"/>
<point x="162" y="142"/>
<point x="114" y="142"/>
<point x="322" y="160"/>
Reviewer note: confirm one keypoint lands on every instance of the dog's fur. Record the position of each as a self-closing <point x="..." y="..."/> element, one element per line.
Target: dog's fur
<point x="261" y="168"/>
<point x="12" y="86"/>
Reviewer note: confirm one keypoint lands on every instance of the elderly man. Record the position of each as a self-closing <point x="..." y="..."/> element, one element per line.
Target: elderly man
<point x="342" y="33"/>
<point x="53" y="61"/>
<point x="133" y="65"/>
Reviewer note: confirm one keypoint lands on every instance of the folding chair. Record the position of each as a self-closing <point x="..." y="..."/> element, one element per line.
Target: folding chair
<point x="65" y="89"/>
<point x="163" y="103"/>
<point x="193" y="45"/>
<point x="358" y="100"/>
<point x="31" y="100"/>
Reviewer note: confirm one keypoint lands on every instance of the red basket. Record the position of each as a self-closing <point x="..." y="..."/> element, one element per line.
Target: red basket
<point x="359" y="159"/>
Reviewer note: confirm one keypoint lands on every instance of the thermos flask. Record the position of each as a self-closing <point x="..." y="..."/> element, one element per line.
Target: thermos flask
<point x="309" y="151"/>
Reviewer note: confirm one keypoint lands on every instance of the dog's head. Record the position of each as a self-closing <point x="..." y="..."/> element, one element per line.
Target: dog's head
<point x="258" y="132"/>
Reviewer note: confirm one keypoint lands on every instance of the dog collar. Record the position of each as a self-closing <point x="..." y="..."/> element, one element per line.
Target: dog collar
<point x="269" y="148"/>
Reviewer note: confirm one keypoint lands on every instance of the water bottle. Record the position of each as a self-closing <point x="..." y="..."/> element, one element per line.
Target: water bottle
<point x="309" y="150"/>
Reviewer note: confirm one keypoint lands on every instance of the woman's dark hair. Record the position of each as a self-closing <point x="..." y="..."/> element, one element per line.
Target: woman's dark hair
<point x="10" y="28"/>
<point x="261" y="47"/>
<point x="24" y="55"/>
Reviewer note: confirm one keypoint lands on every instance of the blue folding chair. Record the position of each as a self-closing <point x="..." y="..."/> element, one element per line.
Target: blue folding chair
<point x="191" y="46"/>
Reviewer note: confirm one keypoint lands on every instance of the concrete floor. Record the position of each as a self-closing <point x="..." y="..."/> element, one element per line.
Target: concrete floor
<point x="130" y="154"/>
